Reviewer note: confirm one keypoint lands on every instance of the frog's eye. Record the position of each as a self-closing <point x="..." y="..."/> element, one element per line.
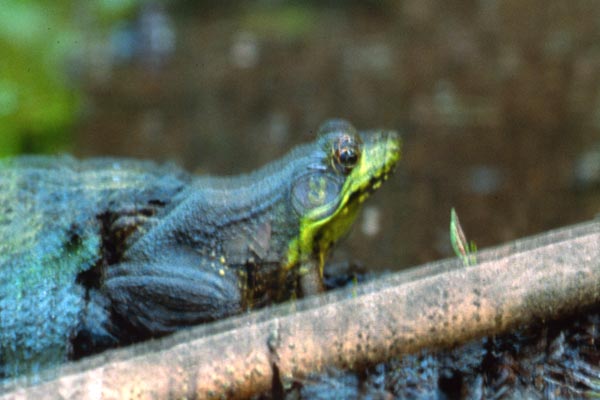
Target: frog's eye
<point x="343" y="143"/>
<point x="348" y="157"/>
<point x="346" y="152"/>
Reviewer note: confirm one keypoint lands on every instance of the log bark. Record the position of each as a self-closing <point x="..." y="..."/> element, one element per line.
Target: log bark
<point x="439" y="304"/>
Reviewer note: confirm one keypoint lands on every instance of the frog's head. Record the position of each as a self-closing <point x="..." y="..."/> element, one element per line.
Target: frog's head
<point x="327" y="196"/>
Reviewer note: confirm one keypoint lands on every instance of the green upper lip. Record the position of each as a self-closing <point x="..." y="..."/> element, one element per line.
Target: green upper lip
<point x="381" y="153"/>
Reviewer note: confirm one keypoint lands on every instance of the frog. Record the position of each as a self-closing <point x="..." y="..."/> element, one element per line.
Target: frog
<point x="104" y="252"/>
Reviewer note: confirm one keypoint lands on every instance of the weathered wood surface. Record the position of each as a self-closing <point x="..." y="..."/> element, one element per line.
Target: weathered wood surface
<point x="438" y="304"/>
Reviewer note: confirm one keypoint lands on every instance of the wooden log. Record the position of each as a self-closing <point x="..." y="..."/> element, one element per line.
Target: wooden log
<point x="439" y="304"/>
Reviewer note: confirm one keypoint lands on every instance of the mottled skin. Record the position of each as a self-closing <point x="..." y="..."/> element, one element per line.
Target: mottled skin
<point x="119" y="251"/>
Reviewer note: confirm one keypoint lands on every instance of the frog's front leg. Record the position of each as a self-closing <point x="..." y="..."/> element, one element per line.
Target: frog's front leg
<point x="177" y="291"/>
<point x="311" y="278"/>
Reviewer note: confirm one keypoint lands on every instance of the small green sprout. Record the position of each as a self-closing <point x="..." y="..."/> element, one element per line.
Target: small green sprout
<point x="466" y="251"/>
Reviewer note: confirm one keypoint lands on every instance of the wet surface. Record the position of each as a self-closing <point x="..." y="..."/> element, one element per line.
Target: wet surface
<point x="557" y="360"/>
<point x="549" y="359"/>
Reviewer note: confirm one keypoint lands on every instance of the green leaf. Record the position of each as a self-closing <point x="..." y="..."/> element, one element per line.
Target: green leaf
<point x="464" y="250"/>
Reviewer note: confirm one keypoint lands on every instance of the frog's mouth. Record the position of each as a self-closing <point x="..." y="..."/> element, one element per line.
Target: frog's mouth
<point x="381" y="153"/>
<point x="371" y="187"/>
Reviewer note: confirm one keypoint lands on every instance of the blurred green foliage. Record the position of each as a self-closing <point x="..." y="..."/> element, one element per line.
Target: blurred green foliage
<point x="284" y="21"/>
<point x="40" y="45"/>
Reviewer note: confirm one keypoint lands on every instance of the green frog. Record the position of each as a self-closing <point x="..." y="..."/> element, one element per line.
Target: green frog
<point x="104" y="252"/>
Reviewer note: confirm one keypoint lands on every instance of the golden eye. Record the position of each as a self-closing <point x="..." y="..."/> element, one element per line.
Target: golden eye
<point x="346" y="152"/>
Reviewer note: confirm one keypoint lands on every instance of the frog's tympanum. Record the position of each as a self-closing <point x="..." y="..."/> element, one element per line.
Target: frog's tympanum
<point x="104" y="252"/>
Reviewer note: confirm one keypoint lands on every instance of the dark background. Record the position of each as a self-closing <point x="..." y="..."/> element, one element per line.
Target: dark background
<point x="498" y="102"/>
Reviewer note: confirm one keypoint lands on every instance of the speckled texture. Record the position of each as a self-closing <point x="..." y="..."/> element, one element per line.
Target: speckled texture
<point x="538" y="278"/>
<point x="546" y="360"/>
<point x="50" y="232"/>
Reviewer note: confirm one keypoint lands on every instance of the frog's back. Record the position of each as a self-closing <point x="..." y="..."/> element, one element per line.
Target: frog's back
<point x="50" y="232"/>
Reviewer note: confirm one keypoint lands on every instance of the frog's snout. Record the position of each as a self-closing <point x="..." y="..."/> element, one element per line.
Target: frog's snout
<point x="383" y="148"/>
<point x="393" y="140"/>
